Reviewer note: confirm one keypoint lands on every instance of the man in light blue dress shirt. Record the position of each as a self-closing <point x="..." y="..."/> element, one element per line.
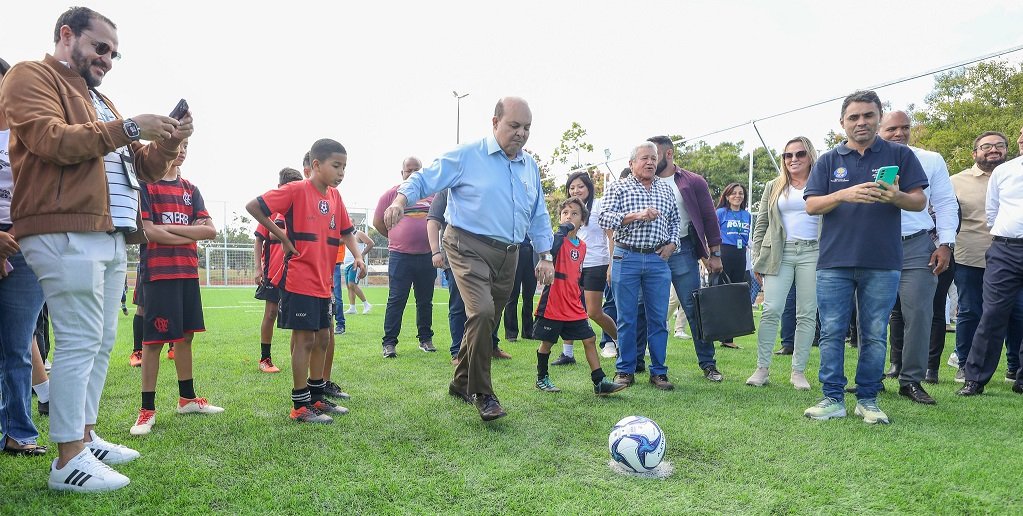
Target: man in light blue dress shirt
<point x="495" y="201"/>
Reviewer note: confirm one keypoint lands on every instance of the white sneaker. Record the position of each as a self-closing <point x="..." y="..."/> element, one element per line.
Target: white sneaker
<point x="85" y="474"/>
<point x="351" y="310"/>
<point x="110" y="453"/>
<point x="682" y="335"/>
<point x="144" y="423"/>
<point x="798" y="380"/>
<point x="366" y="308"/>
<point x="197" y="406"/>
<point x="953" y="360"/>
<point x="610" y="350"/>
<point x="759" y="378"/>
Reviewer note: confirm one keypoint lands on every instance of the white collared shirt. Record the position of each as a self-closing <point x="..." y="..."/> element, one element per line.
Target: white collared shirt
<point x="1005" y="199"/>
<point x="941" y="198"/>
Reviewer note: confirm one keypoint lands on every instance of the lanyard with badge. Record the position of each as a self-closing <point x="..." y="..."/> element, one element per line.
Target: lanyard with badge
<point x="128" y="164"/>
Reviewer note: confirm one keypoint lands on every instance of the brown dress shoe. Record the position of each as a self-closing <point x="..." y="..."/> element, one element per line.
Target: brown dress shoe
<point x="624" y="378"/>
<point x="661" y="382"/>
<point x="490" y="409"/>
<point x="500" y="353"/>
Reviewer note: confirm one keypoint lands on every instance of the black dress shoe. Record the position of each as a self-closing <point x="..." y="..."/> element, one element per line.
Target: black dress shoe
<point x="916" y="393"/>
<point x="1018" y="387"/>
<point x="640" y="367"/>
<point x="893" y="371"/>
<point x="971" y="388"/>
<point x="784" y="351"/>
<point x="44" y="408"/>
<point x="31" y="451"/>
<point x="490" y="409"/>
<point x="452" y="390"/>
<point x="563" y="359"/>
<point x="931" y="376"/>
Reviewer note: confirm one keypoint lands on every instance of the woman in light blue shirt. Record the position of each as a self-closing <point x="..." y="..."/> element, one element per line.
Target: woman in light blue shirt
<point x="735" y="222"/>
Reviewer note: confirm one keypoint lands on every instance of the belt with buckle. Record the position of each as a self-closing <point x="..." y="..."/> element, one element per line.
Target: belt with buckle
<point x="914" y="235"/>
<point x="492" y="242"/>
<point x="1007" y="240"/>
<point x="643" y="250"/>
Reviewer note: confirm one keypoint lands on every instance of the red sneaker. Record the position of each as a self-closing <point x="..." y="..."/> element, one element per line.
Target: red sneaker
<point x="267" y="366"/>
<point x="135" y="359"/>
<point x="308" y="414"/>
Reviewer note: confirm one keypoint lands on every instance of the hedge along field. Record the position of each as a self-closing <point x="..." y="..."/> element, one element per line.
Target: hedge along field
<point x="409" y="447"/>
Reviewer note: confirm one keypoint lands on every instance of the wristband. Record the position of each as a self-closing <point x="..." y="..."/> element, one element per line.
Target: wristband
<point x="435" y="254"/>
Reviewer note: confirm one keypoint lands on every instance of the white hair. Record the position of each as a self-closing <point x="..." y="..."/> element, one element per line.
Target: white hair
<point x="635" y="150"/>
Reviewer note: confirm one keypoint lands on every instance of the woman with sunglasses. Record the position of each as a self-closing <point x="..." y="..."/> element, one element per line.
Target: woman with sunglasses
<point x="785" y="246"/>
<point x="735" y="222"/>
<point x="595" y="263"/>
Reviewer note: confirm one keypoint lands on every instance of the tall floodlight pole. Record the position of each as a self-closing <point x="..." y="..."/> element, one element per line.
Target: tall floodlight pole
<point x="458" y="115"/>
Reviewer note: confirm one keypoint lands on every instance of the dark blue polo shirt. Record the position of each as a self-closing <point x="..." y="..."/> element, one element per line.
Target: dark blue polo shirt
<point x="862" y="235"/>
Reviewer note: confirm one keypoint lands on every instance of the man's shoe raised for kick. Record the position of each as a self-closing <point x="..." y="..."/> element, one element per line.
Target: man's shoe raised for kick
<point x="960" y="375"/>
<point x="267" y="366"/>
<point x="452" y="390"/>
<point x="971" y="388"/>
<point x="490" y="409"/>
<point x="563" y="359"/>
<point x="427" y="346"/>
<point x="660" y="381"/>
<point x="931" y="376"/>
<point x="827" y="408"/>
<point x="783" y="351"/>
<point x="625" y="379"/>
<point x="607" y="387"/>
<point x="871" y="414"/>
<point x="610" y="350"/>
<point x="500" y="353"/>
<point x="85" y="474"/>
<point x="759" y="378"/>
<point x="893" y="371"/>
<point x="711" y="373"/>
<point x="108" y="452"/>
<point x="1010" y="376"/>
<point x="135" y="358"/>
<point x="545" y="385"/>
<point x="333" y="390"/>
<point x="915" y="392"/>
<point x="197" y="406"/>
<point x="329" y="407"/>
<point x="389" y="351"/>
<point x="309" y="414"/>
<point x="144" y="423"/>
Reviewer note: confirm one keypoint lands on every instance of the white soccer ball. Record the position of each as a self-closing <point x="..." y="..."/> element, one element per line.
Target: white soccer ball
<point x="637" y="443"/>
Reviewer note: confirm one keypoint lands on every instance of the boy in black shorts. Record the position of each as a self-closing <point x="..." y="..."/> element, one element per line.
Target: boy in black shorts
<point x="269" y="265"/>
<point x="317" y="222"/>
<point x="174" y="217"/>
<point x="562" y="310"/>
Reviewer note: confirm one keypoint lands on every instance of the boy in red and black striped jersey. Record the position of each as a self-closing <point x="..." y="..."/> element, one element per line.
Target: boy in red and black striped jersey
<point x="317" y="222"/>
<point x="174" y="217"/>
<point x="562" y="310"/>
<point x="269" y="266"/>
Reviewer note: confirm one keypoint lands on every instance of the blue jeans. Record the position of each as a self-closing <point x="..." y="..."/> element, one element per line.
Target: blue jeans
<point x="685" y="278"/>
<point x="409" y="272"/>
<point x="636" y="276"/>
<point x="456" y="315"/>
<point x="339" y="291"/>
<point x="875" y="291"/>
<point x="970" y="284"/>
<point x="21" y="298"/>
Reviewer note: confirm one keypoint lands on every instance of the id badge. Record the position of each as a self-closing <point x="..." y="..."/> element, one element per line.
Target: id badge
<point x="738" y="244"/>
<point x="129" y="169"/>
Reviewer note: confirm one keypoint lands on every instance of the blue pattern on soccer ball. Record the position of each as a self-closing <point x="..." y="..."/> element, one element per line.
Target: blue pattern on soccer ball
<point x="644" y="446"/>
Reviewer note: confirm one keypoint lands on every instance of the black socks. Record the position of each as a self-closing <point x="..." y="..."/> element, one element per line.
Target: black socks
<point x="542" y="366"/>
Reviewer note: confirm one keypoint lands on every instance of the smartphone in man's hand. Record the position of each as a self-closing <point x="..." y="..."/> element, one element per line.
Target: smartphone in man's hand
<point x="180" y="110"/>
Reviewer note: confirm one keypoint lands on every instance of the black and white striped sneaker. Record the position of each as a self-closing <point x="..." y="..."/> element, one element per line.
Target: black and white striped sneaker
<point x="84" y="473"/>
<point x="108" y="452"/>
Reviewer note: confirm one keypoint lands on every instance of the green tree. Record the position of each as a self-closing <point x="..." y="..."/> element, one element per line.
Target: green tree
<point x="725" y="163"/>
<point x="572" y="144"/>
<point x="966" y="102"/>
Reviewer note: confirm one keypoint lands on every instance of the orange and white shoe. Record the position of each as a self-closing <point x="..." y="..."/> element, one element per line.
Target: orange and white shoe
<point x="170" y="354"/>
<point x="267" y="366"/>
<point x="135" y="359"/>
<point x="197" y="406"/>
<point x="308" y="414"/>
<point x="144" y="424"/>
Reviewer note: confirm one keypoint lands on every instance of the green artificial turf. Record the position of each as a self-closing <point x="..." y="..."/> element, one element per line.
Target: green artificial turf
<point x="409" y="447"/>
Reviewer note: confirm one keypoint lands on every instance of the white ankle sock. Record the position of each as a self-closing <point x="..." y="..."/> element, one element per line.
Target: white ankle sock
<point x="567" y="350"/>
<point x="42" y="391"/>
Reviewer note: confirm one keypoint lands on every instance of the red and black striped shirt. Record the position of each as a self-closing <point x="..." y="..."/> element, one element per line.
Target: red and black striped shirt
<point x="171" y="203"/>
<point x="271" y="250"/>
<point x="563" y="300"/>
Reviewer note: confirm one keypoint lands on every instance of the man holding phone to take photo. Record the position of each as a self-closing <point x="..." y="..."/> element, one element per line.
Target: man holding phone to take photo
<point x="860" y="250"/>
<point x="75" y="161"/>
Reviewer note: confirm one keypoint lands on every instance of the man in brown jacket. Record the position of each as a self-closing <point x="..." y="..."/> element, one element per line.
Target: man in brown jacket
<point x="74" y="161"/>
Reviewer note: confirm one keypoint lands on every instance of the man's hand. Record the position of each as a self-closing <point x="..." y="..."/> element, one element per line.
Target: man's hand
<point x="156" y="128"/>
<point x="545" y="272"/>
<point x="863" y="193"/>
<point x="184" y="128"/>
<point x="438" y="260"/>
<point x="666" y="251"/>
<point x="361" y="267"/>
<point x="714" y="264"/>
<point x="887" y="193"/>
<point x="394" y="212"/>
<point x="940" y="259"/>
<point x="8" y="245"/>
<point x="259" y="277"/>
